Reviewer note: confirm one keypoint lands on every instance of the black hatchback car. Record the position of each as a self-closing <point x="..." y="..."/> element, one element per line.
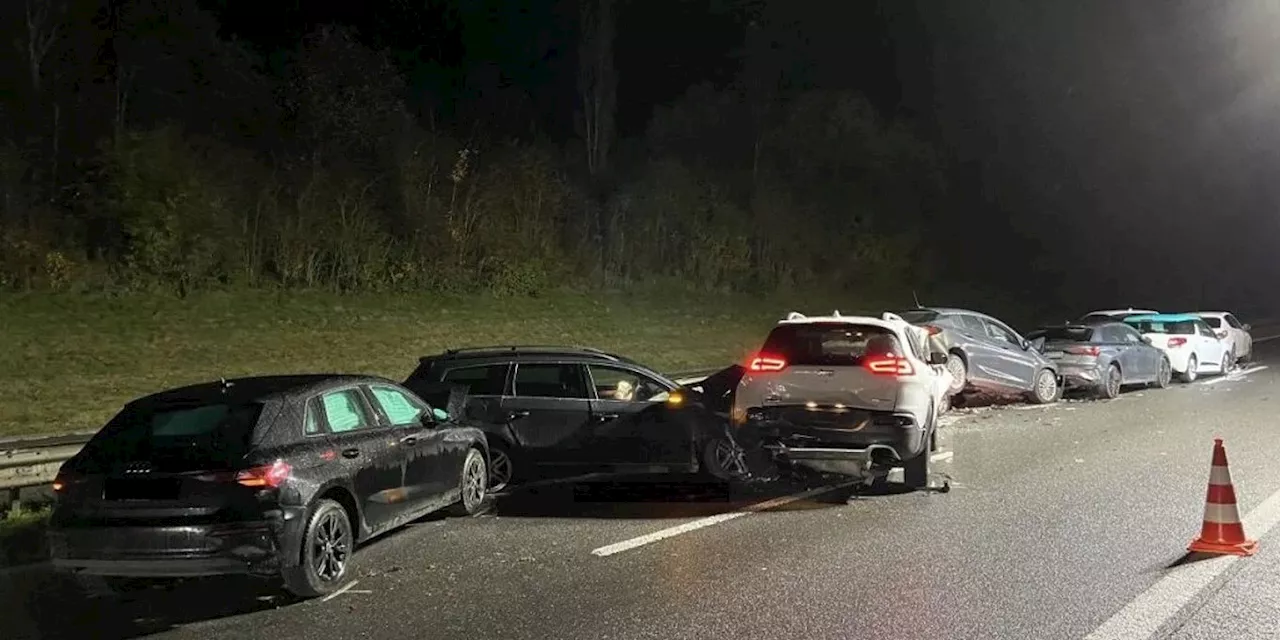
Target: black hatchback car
<point x="268" y="476"/>
<point x="553" y="411"/>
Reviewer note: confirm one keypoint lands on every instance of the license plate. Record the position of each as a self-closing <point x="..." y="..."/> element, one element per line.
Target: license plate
<point x="138" y="489"/>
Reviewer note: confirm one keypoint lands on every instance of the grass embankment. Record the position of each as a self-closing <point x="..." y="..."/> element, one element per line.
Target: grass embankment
<point x="68" y="362"/>
<point x="22" y="538"/>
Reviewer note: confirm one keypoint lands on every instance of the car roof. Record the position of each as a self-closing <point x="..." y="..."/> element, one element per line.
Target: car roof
<point x="258" y="388"/>
<point x="1117" y="312"/>
<point x="505" y="351"/>
<point x="1164" y="317"/>
<point x="887" y="320"/>
<point x="971" y="312"/>
<point x="1217" y="314"/>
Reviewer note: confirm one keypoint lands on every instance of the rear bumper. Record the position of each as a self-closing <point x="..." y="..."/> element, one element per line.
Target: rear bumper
<point x="1077" y="376"/>
<point x="846" y="442"/>
<point x="256" y="548"/>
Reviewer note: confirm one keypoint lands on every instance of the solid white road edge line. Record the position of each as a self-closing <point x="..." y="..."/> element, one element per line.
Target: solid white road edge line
<point x="701" y="523"/>
<point x="1235" y="375"/>
<point x="1151" y="611"/>
<point x="340" y="591"/>
<point x="1266" y="338"/>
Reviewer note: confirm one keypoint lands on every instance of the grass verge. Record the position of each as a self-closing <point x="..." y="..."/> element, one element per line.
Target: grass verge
<point x="22" y="539"/>
<point x="68" y="362"/>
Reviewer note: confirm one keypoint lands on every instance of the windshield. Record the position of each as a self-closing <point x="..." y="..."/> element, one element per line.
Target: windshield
<point x="830" y="344"/>
<point x="179" y="437"/>
<point x="1063" y="334"/>
<point x="1178" y="328"/>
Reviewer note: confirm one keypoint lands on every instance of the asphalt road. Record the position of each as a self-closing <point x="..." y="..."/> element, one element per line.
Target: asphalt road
<point x="1060" y="519"/>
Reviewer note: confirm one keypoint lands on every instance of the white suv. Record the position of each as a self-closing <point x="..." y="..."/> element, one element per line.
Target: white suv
<point x="849" y="395"/>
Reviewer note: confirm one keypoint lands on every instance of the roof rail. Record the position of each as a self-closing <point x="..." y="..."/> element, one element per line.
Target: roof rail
<point x="544" y="348"/>
<point x="891" y="317"/>
<point x="795" y="315"/>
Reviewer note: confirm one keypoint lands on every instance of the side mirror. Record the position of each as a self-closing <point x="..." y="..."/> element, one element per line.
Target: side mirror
<point x="1026" y="344"/>
<point x="938" y="357"/>
<point x="1148" y="340"/>
<point x="1247" y="327"/>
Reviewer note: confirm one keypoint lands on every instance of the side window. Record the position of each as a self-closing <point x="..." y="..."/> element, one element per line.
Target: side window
<point x="311" y="421"/>
<point x="400" y="409"/>
<point x="971" y="325"/>
<point x="997" y="332"/>
<point x="346" y="411"/>
<point x="1107" y="334"/>
<point x="1235" y="324"/>
<point x="539" y="380"/>
<point x="1127" y="334"/>
<point x="628" y="386"/>
<point x="917" y="345"/>
<point x="484" y="380"/>
<point x="1203" y="329"/>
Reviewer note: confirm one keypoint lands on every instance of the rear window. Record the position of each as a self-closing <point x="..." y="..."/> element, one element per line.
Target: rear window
<point x="830" y="344"/>
<point x="1213" y="322"/>
<point x="181" y="436"/>
<point x="917" y="316"/>
<point x="1179" y="328"/>
<point x="1101" y="317"/>
<point x="1063" y="334"/>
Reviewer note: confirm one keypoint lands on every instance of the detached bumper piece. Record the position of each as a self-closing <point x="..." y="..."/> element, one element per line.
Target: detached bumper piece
<point x="166" y="552"/>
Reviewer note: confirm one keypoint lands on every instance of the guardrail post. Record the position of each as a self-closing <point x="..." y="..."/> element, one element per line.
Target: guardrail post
<point x="15" y="499"/>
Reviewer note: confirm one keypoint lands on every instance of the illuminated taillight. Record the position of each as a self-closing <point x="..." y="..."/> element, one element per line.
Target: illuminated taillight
<point x="271" y="476"/>
<point x="1176" y="342"/>
<point x="764" y="362"/>
<point x="1084" y="351"/>
<point x="65" y="479"/>
<point x="889" y="366"/>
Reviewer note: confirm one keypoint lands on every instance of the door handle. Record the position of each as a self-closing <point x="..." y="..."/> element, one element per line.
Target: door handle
<point x="605" y="417"/>
<point x="409" y="441"/>
<point x="516" y="415"/>
<point x="351" y="453"/>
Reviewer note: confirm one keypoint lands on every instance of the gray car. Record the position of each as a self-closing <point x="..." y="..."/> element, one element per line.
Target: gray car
<point x="1103" y="357"/>
<point x="985" y="354"/>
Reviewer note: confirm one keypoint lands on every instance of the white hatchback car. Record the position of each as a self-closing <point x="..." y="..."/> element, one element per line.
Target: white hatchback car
<point x="850" y="395"/>
<point x="1231" y="331"/>
<point x="1192" y="347"/>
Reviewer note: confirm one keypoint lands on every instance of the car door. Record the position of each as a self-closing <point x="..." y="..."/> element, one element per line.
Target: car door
<point x="971" y="335"/>
<point x="1209" y="348"/>
<point x="1244" y="341"/>
<point x="629" y="424"/>
<point x="427" y="474"/>
<point x="372" y="450"/>
<point x="1011" y="363"/>
<point x="550" y="410"/>
<point x="1142" y="361"/>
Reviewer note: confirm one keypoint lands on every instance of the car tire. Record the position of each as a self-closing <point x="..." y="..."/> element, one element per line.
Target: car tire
<point x="722" y="459"/>
<point x="1164" y="374"/>
<point x="959" y="371"/>
<point x="473" y="486"/>
<point x="328" y="544"/>
<point x="502" y="467"/>
<point x="1190" y="374"/>
<point x="1045" y="389"/>
<point x="1111" y="384"/>
<point x="1228" y="359"/>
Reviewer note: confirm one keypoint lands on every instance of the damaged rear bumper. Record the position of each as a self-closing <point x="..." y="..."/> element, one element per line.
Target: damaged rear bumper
<point x="844" y="442"/>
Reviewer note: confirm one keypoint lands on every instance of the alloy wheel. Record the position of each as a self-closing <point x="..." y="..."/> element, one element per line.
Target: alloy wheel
<point x="331" y="546"/>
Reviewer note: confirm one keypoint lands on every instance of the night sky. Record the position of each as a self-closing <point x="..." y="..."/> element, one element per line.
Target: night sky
<point x="1128" y="143"/>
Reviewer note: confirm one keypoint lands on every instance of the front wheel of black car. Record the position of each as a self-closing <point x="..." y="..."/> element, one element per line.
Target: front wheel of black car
<point x="1046" y="389"/>
<point x="501" y="467"/>
<point x="473" y="485"/>
<point x="723" y="459"/>
<point x="327" y="546"/>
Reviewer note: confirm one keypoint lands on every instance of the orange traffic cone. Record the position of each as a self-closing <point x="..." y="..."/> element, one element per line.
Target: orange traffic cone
<point x="1222" y="532"/>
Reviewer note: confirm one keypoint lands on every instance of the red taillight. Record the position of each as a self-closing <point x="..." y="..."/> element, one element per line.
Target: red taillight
<point x="64" y="480"/>
<point x="272" y="475"/>
<point x="1176" y="342"/>
<point x="1084" y="351"/>
<point x="765" y="362"/>
<point x="889" y="366"/>
<point x="933" y="331"/>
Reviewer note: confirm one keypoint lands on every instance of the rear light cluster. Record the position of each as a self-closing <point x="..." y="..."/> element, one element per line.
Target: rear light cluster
<point x="764" y="362"/>
<point x="63" y="480"/>
<point x="1084" y="351"/>
<point x="269" y="476"/>
<point x="1176" y="342"/>
<point x="879" y="365"/>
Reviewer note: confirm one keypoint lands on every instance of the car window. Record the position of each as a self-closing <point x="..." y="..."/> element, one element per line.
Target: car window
<point x="917" y="344"/>
<point x="483" y="380"/>
<point x="1213" y="321"/>
<point x="539" y="380"/>
<point x="345" y="411"/>
<point x="1235" y="324"/>
<point x="191" y="433"/>
<point x="970" y="324"/>
<point x="830" y="343"/>
<point x="1127" y="334"/>
<point x="399" y="408"/>
<point x="1178" y="328"/>
<point x="997" y="332"/>
<point x="311" y="423"/>
<point x="1204" y="329"/>
<point x="612" y="383"/>
<point x="1064" y="334"/>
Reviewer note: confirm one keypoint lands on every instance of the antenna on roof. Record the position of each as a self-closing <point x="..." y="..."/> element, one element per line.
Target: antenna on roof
<point x="917" y="299"/>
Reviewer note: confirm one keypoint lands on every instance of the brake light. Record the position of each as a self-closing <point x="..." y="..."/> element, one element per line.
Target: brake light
<point x="889" y="366"/>
<point x="271" y="476"/>
<point x="765" y="362"/>
<point x="1084" y="351"/>
<point x="933" y="330"/>
<point x="1176" y="342"/>
<point x="63" y="480"/>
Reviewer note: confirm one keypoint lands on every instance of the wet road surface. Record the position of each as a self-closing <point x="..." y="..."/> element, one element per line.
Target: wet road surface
<point x="1059" y="517"/>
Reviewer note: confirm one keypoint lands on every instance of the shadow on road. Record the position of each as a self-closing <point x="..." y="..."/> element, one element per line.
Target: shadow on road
<point x="41" y="604"/>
